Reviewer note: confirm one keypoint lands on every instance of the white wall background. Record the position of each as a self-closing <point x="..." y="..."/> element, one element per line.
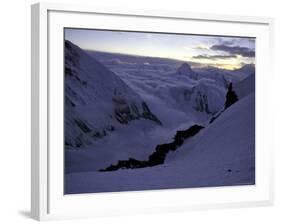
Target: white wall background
<point x="15" y="110"/>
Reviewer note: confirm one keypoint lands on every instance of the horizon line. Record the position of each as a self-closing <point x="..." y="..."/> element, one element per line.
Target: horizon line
<point x="174" y="59"/>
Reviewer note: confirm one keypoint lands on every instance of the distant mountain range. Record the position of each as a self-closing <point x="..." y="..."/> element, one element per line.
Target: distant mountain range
<point x="118" y="58"/>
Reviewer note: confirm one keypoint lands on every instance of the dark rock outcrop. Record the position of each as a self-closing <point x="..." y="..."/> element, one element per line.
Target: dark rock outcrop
<point x="160" y="153"/>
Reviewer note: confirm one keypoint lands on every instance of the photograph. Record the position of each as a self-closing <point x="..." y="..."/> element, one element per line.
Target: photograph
<point x="154" y="111"/>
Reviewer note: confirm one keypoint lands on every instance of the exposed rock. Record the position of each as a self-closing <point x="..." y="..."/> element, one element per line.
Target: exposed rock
<point x="159" y="155"/>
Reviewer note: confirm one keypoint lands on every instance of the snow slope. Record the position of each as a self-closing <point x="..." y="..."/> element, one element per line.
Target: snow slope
<point x="221" y="154"/>
<point x="96" y="100"/>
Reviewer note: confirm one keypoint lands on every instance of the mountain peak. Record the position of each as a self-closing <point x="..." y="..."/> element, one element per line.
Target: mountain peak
<point x="247" y="67"/>
<point x="185" y="69"/>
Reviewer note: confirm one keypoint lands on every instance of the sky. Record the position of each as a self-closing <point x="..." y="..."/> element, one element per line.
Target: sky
<point x="218" y="51"/>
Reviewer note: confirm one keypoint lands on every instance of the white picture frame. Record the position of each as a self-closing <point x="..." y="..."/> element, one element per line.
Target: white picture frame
<point x="48" y="201"/>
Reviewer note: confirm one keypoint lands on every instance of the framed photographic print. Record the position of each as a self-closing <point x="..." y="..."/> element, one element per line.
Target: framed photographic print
<point x="148" y="111"/>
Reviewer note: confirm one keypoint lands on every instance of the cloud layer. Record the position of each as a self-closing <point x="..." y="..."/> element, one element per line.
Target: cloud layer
<point x="234" y="50"/>
<point x="214" y="57"/>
